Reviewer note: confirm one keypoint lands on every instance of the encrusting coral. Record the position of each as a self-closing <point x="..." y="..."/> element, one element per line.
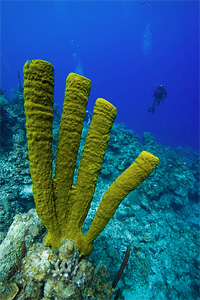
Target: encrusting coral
<point x="62" y="206"/>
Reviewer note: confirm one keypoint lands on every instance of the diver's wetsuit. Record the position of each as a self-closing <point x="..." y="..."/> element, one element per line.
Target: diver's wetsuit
<point x="159" y="95"/>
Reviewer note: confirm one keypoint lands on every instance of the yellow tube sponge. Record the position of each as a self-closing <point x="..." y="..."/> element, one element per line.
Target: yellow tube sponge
<point x="75" y="102"/>
<point x="104" y="114"/>
<point x="38" y="97"/>
<point x="129" y="180"/>
<point x="61" y="206"/>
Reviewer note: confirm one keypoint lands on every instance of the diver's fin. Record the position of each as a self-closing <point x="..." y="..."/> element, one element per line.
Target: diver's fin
<point x="151" y="109"/>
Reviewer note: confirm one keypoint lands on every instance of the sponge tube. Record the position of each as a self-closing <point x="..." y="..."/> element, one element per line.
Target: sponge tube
<point x="91" y="161"/>
<point x="38" y="97"/>
<point x="129" y="180"/>
<point x="76" y="96"/>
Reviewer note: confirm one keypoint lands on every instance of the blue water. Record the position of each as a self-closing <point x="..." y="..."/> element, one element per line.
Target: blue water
<point x="126" y="48"/>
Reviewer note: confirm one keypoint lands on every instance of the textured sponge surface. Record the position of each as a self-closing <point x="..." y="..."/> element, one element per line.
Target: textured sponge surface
<point x="38" y="103"/>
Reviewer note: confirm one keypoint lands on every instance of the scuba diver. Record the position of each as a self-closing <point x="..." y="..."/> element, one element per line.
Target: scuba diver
<point x="159" y="95"/>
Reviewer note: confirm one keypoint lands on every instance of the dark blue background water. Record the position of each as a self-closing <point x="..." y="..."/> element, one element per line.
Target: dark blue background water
<point x="125" y="47"/>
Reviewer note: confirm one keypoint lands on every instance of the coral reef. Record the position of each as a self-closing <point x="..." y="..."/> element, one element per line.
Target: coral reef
<point x="11" y="247"/>
<point x="165" y="208"/>
<point x="8" y="291"/>
<point x="61" y="274"/>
